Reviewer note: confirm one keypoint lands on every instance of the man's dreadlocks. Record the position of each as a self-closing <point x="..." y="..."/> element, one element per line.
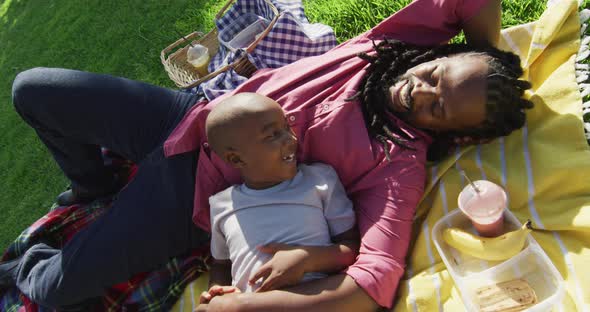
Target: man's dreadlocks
<point x="505" y="105"/>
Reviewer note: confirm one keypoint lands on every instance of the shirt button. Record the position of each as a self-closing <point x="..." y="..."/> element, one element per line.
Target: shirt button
<point x="206" y="144"/>
<point x="291" y="118"/>
<point x="325" y="107"/>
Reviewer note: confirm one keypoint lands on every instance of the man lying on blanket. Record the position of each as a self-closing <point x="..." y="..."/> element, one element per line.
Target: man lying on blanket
<point x="358" y="114"/>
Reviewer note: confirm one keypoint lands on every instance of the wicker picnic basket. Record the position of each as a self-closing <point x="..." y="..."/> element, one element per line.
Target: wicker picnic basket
<point x="185" y="76"/>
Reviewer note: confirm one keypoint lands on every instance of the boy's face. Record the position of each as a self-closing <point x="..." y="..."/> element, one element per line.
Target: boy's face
<point x="265" y="150"/>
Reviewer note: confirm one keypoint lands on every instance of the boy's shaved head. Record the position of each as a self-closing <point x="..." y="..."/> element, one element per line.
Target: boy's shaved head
<point x="249" y="131"/>
<point x="224" y="121"/>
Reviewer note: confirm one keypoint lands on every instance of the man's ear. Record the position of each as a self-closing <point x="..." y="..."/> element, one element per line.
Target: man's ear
<point x="234" y="159"/>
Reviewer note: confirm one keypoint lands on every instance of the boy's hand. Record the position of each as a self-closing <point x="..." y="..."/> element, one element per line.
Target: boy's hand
<point x="286" y="267"/>
<point x="226" y="303"/>
<point x="216" y="290"/>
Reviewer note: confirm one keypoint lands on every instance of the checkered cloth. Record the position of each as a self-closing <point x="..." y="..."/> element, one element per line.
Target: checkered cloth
<point x="290" y="39"/>
<point x="151" y="291"/>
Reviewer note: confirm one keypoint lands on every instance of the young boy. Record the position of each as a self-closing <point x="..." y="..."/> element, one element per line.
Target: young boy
<point x="279" y="203"/>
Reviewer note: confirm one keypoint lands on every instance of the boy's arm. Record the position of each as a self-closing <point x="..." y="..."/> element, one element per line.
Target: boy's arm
<point x="337" y="292"/>
<point x="219" y="281"/>
<point x="339" y="214"/>
<point x="335" y="257"/>
<point x="220" y="273"/>
<point x="290" y="262"/>
<point x="220" y="267"/>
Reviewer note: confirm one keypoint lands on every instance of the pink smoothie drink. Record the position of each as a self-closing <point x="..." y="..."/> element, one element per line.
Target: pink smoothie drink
<point x="484" y="205"/>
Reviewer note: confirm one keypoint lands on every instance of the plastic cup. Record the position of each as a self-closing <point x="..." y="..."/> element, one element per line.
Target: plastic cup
<point x="198" y="56"/>
<point x="484" y="207"/>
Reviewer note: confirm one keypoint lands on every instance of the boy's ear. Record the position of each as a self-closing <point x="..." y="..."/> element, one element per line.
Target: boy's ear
<point x="234" y="159"/>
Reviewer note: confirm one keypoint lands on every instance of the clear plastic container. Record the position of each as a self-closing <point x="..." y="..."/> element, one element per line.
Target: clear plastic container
<point x="243" y="31"/>
<point x="469" y="273"/>
<point x="198" y="56"/>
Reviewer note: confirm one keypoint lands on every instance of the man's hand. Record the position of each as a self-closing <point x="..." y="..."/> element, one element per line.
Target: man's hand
<point x="483" y="29"/>
<point x="286" y="268"/>
<point x="216" y="290"/>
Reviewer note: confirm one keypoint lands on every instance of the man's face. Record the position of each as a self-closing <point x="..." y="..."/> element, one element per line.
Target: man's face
<point x="447" y="93"/>
<point x="266" y="148"/>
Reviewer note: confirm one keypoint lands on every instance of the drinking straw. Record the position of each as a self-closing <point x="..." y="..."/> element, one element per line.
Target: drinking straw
<point x="470" y="182"/>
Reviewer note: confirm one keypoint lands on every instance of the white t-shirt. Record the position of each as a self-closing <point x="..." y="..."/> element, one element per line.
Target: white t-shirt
<point x="306" y="210"/>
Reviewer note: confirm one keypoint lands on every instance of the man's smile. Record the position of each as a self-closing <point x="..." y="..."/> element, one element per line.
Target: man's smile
<point x="400" y="99"/>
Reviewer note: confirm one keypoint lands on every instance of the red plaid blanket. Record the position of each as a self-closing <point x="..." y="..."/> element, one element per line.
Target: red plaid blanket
<point x="150" y="291"/>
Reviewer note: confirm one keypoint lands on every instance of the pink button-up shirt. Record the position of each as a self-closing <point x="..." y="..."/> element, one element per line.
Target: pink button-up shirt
<point x="313" y="93"/>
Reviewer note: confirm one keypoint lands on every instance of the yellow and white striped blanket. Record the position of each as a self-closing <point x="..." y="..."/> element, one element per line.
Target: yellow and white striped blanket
<point x="545" y="168"/>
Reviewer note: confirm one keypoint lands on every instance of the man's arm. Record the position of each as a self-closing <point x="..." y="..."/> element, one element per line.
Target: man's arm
<point x="483" y="29"/>
<point x="334" y="293"/>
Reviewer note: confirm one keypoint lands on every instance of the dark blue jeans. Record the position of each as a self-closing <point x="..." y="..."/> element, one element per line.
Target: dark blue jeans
<point x="74" y="113"/>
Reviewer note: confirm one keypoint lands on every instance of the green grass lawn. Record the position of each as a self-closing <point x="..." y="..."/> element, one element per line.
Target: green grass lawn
<point x="122" y="38"/>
